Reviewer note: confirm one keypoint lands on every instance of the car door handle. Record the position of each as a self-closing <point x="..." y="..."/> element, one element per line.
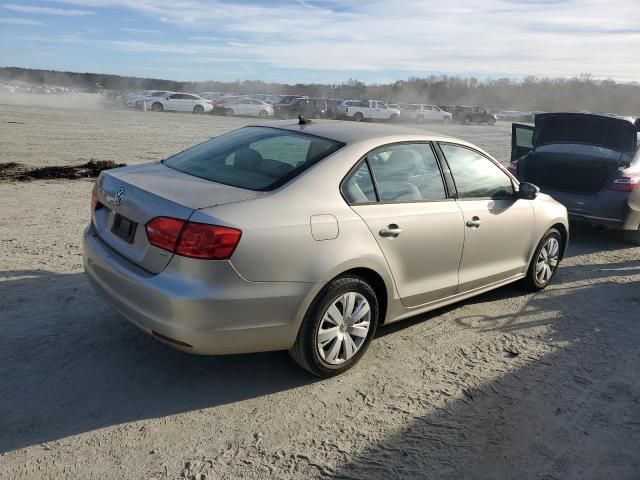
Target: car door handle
<point x="474" y="222"/>
<point x="392" y="231"/>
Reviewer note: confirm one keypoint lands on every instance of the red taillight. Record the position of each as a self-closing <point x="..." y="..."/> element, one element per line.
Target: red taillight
<point x="191" y="239"/>
<point x="626" y="183"/>
<point x="513" y="168"/>
<point x="94" y="197"/>
<point x="163" y="232"/>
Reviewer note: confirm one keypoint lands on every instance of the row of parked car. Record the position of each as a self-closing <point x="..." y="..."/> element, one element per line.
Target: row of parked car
<point x="290" y="106"/>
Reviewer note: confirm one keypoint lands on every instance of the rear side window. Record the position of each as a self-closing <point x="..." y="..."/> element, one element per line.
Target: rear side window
<point x="475" y="175"/>
<point x="255" y="158"/>
<point x="407" y="172"/>
<point x="359" y="186"/>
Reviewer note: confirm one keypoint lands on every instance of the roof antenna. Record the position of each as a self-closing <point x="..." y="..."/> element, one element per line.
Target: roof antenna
<point x="302" y="120"/>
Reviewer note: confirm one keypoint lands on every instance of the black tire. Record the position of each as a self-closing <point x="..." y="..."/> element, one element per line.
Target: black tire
<point x="263" y="114"/>
<point x="631" y="236"/>
<point x="157" y="107"/>
<point x="198" y="109"/>
<point x="358" y="117"/>
<point x="531" y="282"/>
<point x="491" y="121"/>
<point x="467" y="120"/>
<point x="394" y="118"/>
<point x="229" y="112"/>
<point x="305" y="349"/>
<point x="446" y="120"/>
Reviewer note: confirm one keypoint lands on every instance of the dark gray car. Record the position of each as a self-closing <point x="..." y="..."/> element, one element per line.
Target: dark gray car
<point x="590" y="163"/>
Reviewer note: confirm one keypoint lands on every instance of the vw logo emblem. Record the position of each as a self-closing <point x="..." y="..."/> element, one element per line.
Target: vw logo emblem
<point x="119" y="197"/>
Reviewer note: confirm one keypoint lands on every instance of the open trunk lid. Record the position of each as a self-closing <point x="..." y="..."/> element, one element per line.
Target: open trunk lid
<point x="130" y="197"/>
<point x="585" y="128"/>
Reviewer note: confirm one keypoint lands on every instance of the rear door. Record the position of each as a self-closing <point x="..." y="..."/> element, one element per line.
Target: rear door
<point x="521" y="140"/>
<point x="174" y="102"/>
<point x="498" y="226"/>
<point x="417" y="226"/>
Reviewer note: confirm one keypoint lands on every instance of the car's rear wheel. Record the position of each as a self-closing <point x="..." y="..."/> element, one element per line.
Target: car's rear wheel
<point x="157" y="107"/>
<point x="337" y="328"/>
<point x="229" y="112"/>
<point x="467" y="121"/>
<point x="631" y="236"/>
<point x="198" y="109"/>
<point x="358" y="117"/>
<point x="544" y="262"/>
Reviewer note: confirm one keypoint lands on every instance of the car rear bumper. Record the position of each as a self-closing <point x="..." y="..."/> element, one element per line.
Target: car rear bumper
<point x="224" y="316"/>
<point x="608" y="208"/>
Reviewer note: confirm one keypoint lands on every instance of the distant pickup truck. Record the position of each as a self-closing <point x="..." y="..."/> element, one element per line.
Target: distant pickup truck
<point x="360" y="110"/>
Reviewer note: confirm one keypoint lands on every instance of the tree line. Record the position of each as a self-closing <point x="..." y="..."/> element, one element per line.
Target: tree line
<point x="582" y="93"/>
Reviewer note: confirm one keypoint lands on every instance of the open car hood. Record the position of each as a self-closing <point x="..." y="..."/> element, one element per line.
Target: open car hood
<point x="586" y="128"/>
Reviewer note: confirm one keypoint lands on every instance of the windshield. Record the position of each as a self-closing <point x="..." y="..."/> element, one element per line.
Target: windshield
<point x="255" y="158"/>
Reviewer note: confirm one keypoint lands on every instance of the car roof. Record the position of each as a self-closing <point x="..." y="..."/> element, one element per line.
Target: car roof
<point x="354" y="132"/>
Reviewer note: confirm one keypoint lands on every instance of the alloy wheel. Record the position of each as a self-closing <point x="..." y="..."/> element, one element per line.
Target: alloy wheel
<point x="344" y="328"/>
<point x="547" y="260"/>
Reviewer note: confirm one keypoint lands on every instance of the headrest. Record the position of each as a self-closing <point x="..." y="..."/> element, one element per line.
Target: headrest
<point x="402" y="160"/>
<point x="247" y="159"/>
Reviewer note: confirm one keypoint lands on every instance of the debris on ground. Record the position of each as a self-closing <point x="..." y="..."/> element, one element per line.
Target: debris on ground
<point x="511" y="352"/>
<point x="18" y="171"/>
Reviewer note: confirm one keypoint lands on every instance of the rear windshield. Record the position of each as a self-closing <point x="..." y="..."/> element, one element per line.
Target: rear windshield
<point x="255" y="158"/>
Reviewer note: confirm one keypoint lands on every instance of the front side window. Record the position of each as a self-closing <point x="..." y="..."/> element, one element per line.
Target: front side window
<point x="475" y="175"/>
<point x="407" y="172"/>
<point x="256" y="158"/>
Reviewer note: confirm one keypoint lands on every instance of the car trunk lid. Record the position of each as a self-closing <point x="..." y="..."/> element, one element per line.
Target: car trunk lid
<point x="585" y="128"/>
<point x="577" y="153"/>
<point x="130" y="197"/>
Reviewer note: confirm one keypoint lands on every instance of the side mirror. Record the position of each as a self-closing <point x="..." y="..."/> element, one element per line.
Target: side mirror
<point x="528" y="191"/>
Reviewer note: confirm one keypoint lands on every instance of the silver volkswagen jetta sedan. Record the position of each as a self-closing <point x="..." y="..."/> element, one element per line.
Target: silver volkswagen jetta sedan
<point x="307" y="237"/>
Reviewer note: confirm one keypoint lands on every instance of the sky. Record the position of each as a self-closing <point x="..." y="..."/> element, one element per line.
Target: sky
<point x="324" y="41"/>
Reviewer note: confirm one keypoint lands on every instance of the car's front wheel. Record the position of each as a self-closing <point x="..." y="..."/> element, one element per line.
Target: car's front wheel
<point x="544" y="262"/>
<point x="337" y="328"/>
<point x="198" y="109"/>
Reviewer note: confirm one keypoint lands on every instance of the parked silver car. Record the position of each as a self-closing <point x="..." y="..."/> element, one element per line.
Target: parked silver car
<point x="307" y="237"/>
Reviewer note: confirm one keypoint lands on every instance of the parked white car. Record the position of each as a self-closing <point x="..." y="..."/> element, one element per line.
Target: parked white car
<point x="249" y="107"/>
<point x="360" y="110"/>
<point x="135" y="100"/>
<point x="421" y="113"/>
<point x="179" y="102"/>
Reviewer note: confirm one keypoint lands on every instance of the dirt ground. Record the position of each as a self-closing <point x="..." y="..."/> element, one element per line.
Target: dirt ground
<point x="84" y="394"/>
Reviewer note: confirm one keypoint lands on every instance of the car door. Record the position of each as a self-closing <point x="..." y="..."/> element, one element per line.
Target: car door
<point x="379" y="111"/>
<point x="173" y="102"/>
<point x="498" y="225"/>
<point x="521" y="140"/>
<point x="398" y="190"/>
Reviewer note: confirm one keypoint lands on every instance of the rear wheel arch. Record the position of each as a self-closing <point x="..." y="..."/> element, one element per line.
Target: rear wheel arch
<point x="377" y="283"/>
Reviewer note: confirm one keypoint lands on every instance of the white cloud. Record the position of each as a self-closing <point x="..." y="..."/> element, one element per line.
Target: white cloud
<point x="46" y="10"/>
<point x="19" y="21"/>
<point x="489" y="37"/>
<point x="139" y="30"/>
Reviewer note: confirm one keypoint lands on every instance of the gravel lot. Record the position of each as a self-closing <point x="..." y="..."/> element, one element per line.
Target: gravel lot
<point x="83" y="394"/>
